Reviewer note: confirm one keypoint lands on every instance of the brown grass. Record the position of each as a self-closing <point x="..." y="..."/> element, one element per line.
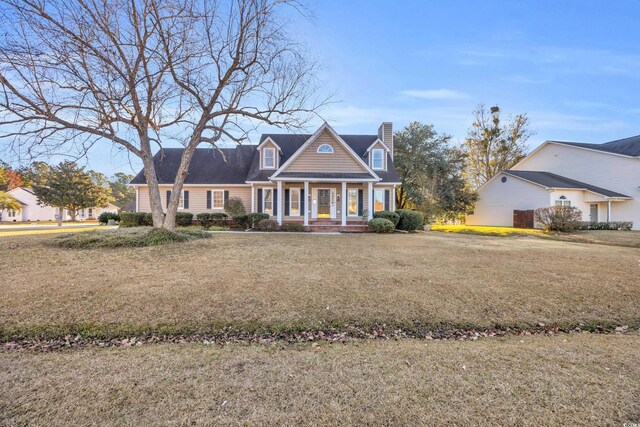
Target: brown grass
<point x="577" y="380"/>
<point x="601" y="237"/>
<point x="308" y="281"/>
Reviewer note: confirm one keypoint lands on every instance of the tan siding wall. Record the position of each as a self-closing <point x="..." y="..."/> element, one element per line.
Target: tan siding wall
<point x="312" y="161"/>
<point x="197" y="197"/>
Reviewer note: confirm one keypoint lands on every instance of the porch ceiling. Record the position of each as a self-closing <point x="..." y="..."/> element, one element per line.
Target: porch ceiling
<point x="325" y="175"/>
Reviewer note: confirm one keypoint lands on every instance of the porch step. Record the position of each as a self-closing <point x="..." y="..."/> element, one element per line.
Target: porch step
<point x="359" y="228"/>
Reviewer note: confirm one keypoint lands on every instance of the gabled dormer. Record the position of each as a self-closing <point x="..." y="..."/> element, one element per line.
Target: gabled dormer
<point x="377" y="155"/>
<point x="270" y="154"/>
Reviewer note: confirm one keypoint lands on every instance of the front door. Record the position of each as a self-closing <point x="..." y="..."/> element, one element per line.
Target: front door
<point x="324" y="203"/>
<point x="593" y="213"/>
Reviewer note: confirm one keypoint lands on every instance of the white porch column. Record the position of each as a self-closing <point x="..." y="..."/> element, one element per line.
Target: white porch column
<point x="306" y="203"/>
<point x="253" y="199"/>
<point x="370" y="201"/>
<point x="344" y="203"/>
<point x="609" y="211"/>
<point x="280" y="207"/>
<point x="393" y="199"/>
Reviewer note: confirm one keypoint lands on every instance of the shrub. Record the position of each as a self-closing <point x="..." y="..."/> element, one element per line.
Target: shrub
<point x="268" y="225"/>
<point x="243" y="221"/>
<point x="210" y="219"/>
<point x="409" y="220"/>
<point x="381" y="225"/>
<point x="234" y="206"/>
<point x="559" y="218"/>
<point x="292" y="226"/>
<point x="129" y="237"/>
<point x="391" y="216"/>
<point x="129" y="219"/>
<point x="104" y="217"/>
<point x="184" y="218"/>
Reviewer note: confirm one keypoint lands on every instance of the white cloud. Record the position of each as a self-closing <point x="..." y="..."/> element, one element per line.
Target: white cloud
<point x="435" y="94"/>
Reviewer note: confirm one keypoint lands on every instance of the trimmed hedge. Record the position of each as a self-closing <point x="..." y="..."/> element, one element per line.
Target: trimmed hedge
<point x="184" y="218"/>
<point x="268" y="225"/>
<point x="249" y="220"/>
<point x="292" y="226"/>
<point x="210" y="219"/>
<point x="559" y="218"/>
<point x="104" y="217"/>
<point x="391" y="216"/>
<point x="135" y="219"/>
<point x="409" y="220"/>
<point x="381" y="225"/>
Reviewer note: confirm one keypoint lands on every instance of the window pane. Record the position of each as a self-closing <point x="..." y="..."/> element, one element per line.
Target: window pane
<point x="352" y="202"/>
<point x="268" y="201"/>
<point x="294" y="206"/>
<point x="558" y="202"/>
<point x="378" y="159"/>
<point x="378" y="201"/>
<point x="218" y="199"/>
<point x="567" y="202"/>
<point x="269" y="157"/>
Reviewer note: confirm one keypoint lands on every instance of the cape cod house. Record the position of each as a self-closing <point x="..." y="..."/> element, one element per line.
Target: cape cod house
<point x="319" y="180"/>
<point x="602" y="180"/>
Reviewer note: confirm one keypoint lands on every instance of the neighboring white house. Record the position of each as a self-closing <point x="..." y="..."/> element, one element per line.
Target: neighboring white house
<point x="602" y="180"/>
<point x="32" y="211"/>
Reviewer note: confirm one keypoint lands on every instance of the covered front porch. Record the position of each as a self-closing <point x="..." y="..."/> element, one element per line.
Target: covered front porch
<point x="329" y="203"/>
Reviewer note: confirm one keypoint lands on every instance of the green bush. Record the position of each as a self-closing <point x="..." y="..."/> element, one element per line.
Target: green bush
<point x="234" y="206"/>
<point x="128" y="237"/>
<point x="184" y="218"/>
<point x="381" y="225"/>
<point x="391" y="216"/>
<point x="268" y="225"/>
<point x="208" y="220"/>
<point x="409" y="220"/>
<point x="104" y="217"/>
<point x="292" y="226"/>
<point x="130" y="219"/>
<point x="559" y="218"/>
<point x="249" y="220"/>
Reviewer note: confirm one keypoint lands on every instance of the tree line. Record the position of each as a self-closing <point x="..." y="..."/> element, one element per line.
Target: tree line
<point x="439" y="178"/>
<point x="65" y="186"/>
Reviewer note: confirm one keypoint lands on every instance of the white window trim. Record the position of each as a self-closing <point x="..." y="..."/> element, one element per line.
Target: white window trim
<point x="264" y="199"/>
<point x="273" y="150"/>
<point x="373" y="157"/>
<point x="562" y="202"/>
<point x="324" y="152"/>
<point x="213" y="205"/>
<point x="378" y="190"/>
<point x="355" y="190"/>
<point x="291" y="191"/>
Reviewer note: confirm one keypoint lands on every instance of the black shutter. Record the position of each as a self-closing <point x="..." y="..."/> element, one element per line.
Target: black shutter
<point x="386" y="200"/>
<point x="286" y="202"/>
<point x="275" y="202"/>
<point x="259" y="200"/>
<point x="186" y="200"/>
<point x="226" y="196"/>
<point x="208" y="199"/>
<point x="168" y="197"/>
<point x="360" y="201"/>
<point x="303" y="201"/>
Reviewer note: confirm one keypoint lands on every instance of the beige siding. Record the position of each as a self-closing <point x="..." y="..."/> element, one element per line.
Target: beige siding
<point x="312" y="161"/>
<point x="197" y="197"/>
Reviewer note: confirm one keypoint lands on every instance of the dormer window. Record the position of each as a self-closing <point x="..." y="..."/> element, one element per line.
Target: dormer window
<point x="377" y="158"/>
<point x="268" y="158"/>
<point x="325" y="148"/>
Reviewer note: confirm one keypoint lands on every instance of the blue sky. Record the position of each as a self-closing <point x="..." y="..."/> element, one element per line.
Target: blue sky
<point x="572" y="66"/>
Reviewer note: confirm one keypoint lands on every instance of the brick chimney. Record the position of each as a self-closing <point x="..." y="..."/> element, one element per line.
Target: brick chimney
<point x="385" y="133"/>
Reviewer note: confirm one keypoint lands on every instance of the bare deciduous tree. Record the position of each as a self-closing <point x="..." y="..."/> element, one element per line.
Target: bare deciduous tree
<point x="141" y="73"/>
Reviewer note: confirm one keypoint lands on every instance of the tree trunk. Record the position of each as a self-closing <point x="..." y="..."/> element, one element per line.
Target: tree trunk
<point x="72" y="212"/>
<point x="176" y="191"/>
<point x="155" y="201"/>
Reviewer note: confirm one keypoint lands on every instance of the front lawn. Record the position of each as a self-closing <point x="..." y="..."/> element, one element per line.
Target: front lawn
<point x="483" y="230"/>
<point x="278" y="282"/>
<point x="576" y="380"/>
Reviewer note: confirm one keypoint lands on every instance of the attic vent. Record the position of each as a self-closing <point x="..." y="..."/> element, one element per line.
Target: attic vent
<point x="325" y="148"/>
<point x="503" y="179"/>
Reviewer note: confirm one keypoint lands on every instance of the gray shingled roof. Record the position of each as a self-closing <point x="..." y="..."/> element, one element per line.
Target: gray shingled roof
<point x="208" y="166"/>
<point x="243" y="163"/>
<point x="627" y="146"/>
<point x="551" y="180"/>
